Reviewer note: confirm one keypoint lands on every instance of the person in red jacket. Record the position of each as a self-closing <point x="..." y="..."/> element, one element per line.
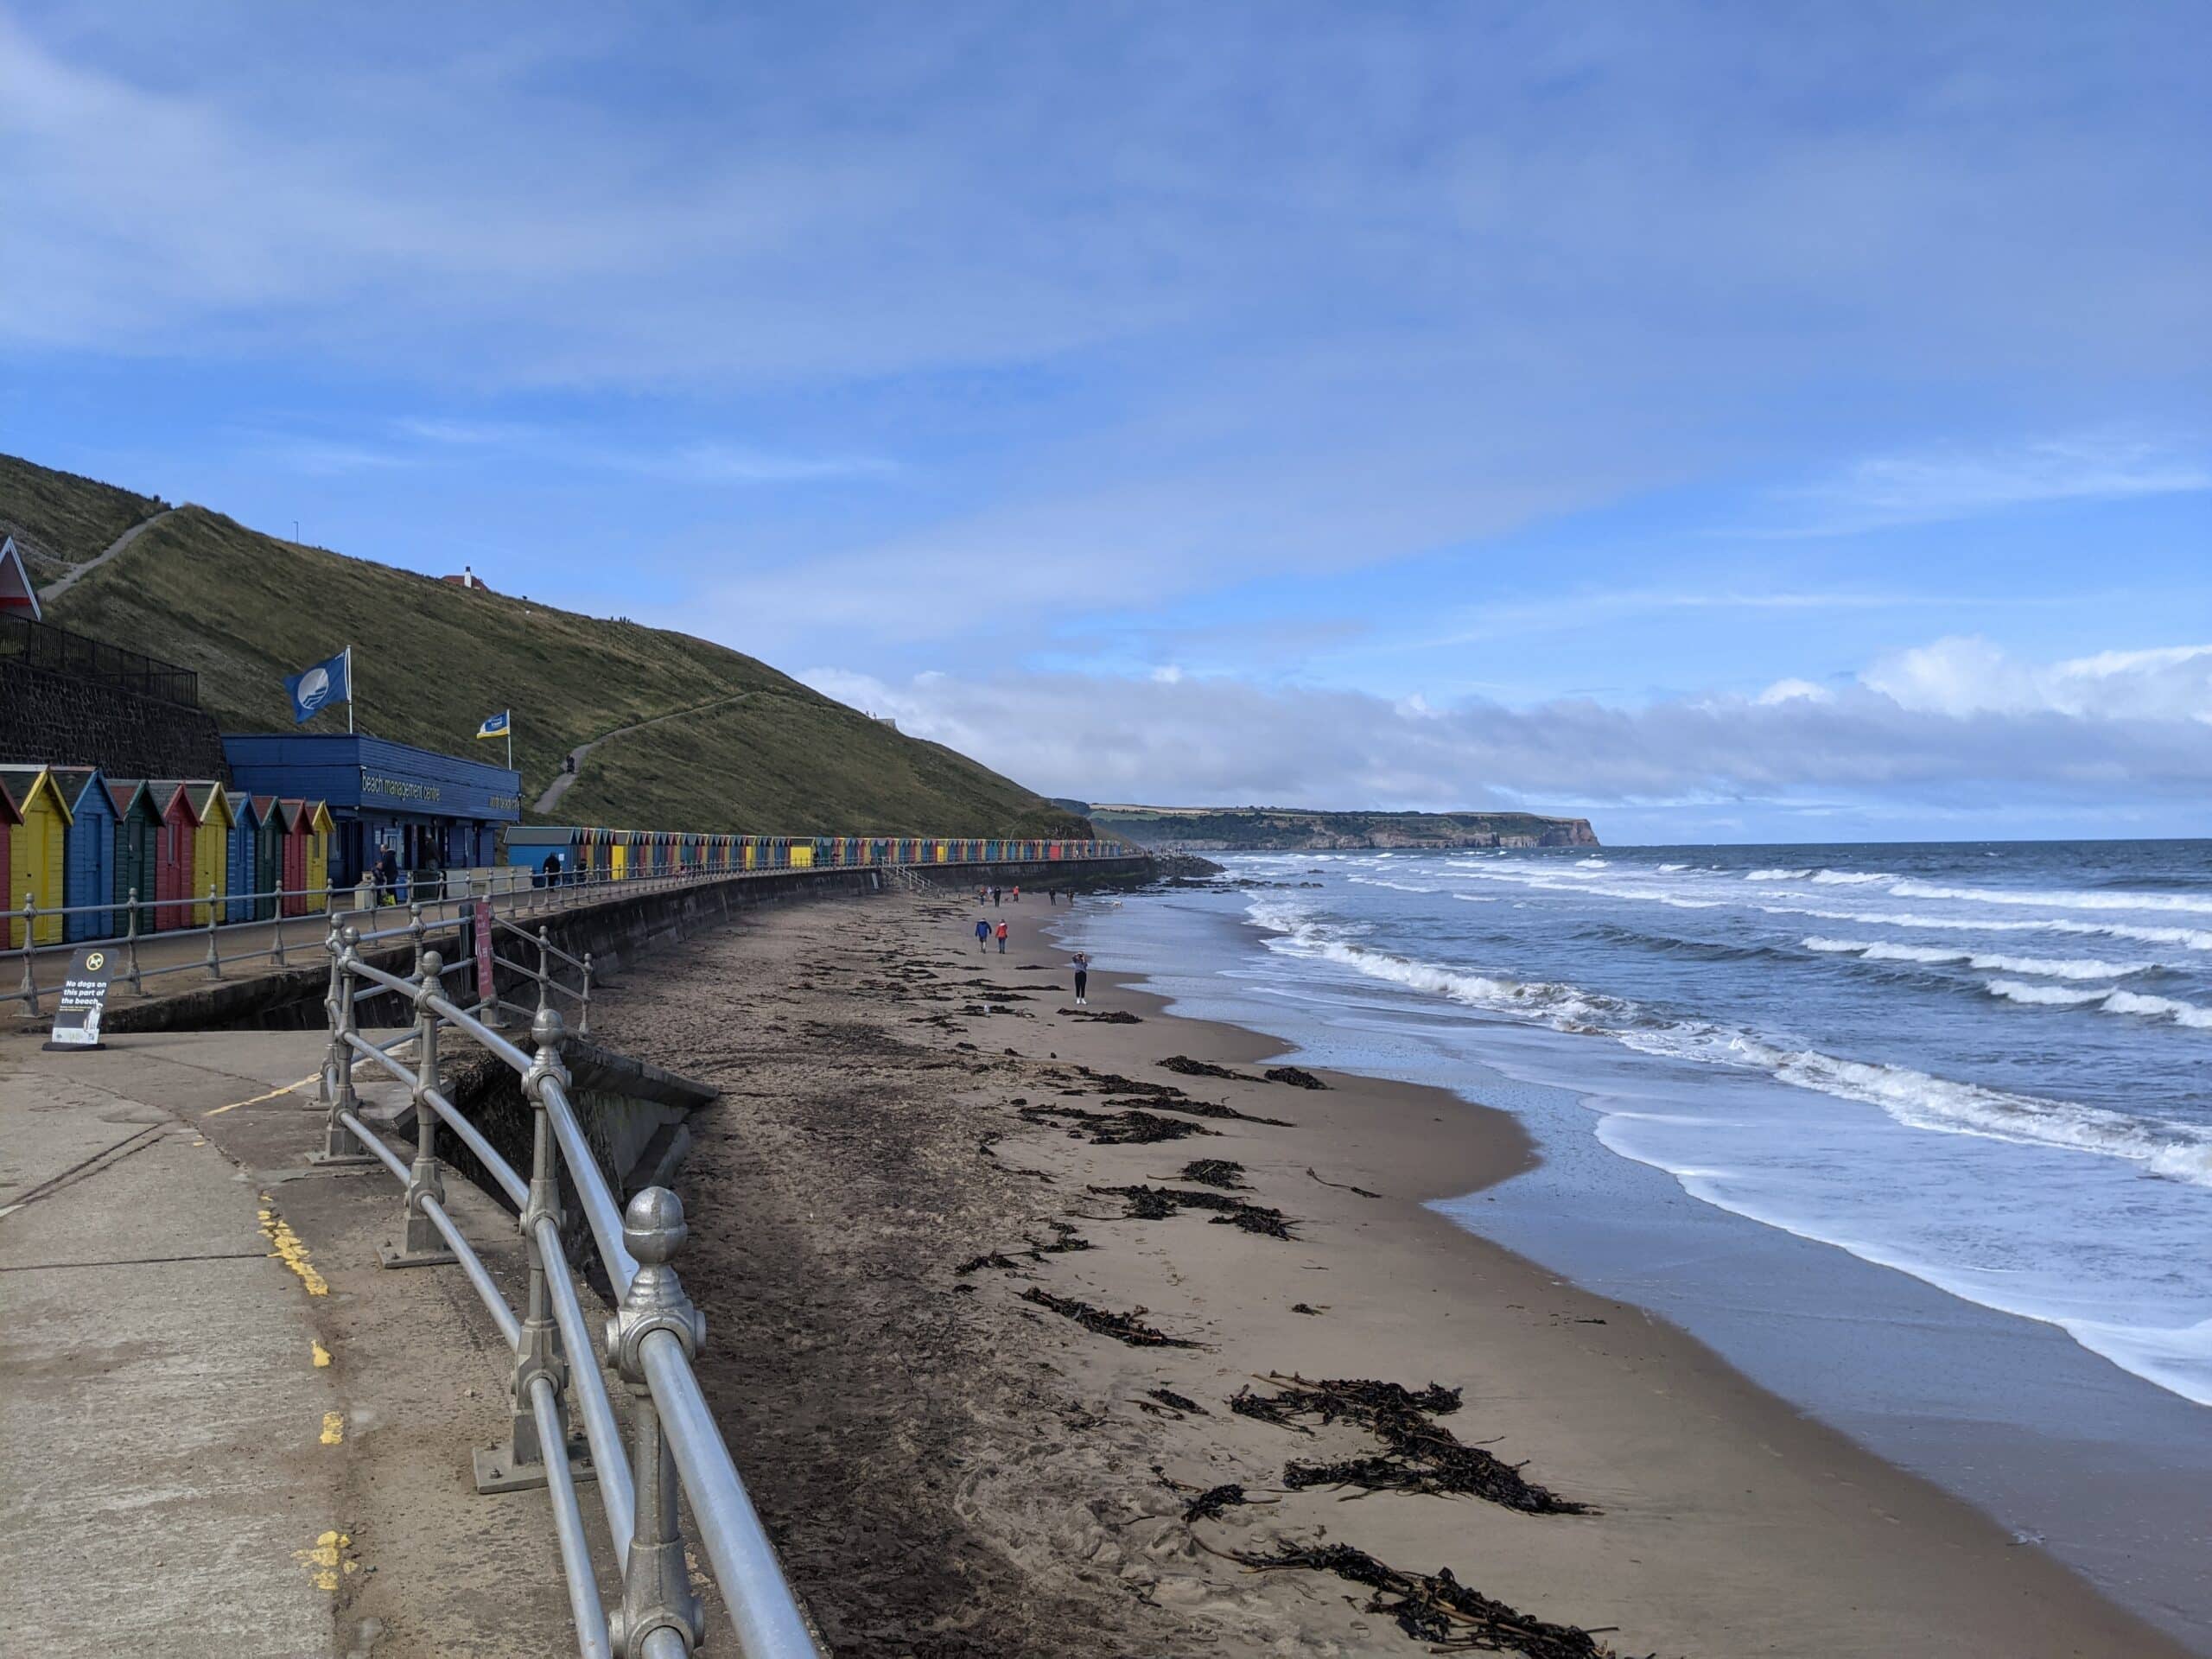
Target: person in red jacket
<point x="1002" y="938"/>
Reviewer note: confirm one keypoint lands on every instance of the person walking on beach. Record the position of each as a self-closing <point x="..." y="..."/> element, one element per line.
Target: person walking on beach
<point x="1082" y="979"/>
<point x="983" y="935"/>
<point x="1002" y="938"/>
<point x="1017" y="893"/>
<point x="995" y="898"/>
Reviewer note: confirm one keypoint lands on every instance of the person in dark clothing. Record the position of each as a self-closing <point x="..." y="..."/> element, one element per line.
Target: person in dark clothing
<point x="1082" y="979"/>
<point x="551" y="874"/>
<point x="387" y="875"/>
<point x="982" y="935"/>
<point x="995" y="898"/>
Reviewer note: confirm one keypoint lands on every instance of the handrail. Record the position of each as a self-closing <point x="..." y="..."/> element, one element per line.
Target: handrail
<point x="650" y="1341"/>
<point x="455" y="911"/>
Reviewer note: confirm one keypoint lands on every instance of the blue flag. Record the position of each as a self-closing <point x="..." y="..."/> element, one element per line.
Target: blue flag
<point x="498" y="725"/>
<point x="315" y="688"/>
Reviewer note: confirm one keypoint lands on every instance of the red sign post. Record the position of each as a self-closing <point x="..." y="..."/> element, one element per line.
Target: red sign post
<point x="486" y="990"/>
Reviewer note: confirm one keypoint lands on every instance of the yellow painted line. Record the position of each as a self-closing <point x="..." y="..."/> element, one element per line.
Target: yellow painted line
<point x="257" y="1099"/>
<point x="333" y="1428"/>
<point x="321" y="1354"/>
<point x="287" y="1249"/>
<point x="326" y="1562"/>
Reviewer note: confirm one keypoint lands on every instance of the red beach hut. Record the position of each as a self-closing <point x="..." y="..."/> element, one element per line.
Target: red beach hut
<point x="173" y="852"/>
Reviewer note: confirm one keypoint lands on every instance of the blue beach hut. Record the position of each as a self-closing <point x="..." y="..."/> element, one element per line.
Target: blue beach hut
<point x="245" y="876"/>
<point x="89" y="854"/>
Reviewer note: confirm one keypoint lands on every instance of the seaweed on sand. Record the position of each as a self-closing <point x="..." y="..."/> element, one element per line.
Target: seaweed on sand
<point x="1158" y="1203"/>
<point x="1123" y="1327"/>
<point x="1436" y="1608"/>
<point x="1294" y="1075"/>
<point x="1419" y="1454"/>
<point x="1184" y="1065"/>
<point x="1214" y="1172"/>
<point x="1181" y="1403"/>
<point x="1128" y="1127"/>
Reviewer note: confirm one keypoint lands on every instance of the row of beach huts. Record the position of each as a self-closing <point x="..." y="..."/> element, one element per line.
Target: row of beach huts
<point x="81" y="842"/>
<point x="584" y="854"/>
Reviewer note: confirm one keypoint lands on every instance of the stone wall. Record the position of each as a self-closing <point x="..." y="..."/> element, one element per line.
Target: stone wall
<point x="57" y="719"/>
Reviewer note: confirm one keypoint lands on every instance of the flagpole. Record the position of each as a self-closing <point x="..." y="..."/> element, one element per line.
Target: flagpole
<point x="349" y="688"/>
<point x="510" y="740"/>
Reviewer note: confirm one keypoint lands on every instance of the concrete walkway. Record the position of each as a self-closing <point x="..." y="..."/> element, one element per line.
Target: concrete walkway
<point x="60" y="585"/>
<point x="224" y="1429"/>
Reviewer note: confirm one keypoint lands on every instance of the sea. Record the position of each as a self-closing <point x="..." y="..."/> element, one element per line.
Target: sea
<point x="1917" y="1136"/>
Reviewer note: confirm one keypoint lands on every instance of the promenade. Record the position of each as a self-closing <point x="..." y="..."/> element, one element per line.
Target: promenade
<point x="224" y="1429"/>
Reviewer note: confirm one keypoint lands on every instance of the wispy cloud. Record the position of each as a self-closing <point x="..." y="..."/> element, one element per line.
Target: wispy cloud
<point x="698" y="460"/>
<point x="1949" y="483"/>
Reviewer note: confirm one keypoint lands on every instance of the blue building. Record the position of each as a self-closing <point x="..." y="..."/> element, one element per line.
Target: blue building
<point x="433" y="810"/>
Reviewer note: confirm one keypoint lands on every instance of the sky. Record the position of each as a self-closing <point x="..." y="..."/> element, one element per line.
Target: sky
<point x="1727" y="422"/>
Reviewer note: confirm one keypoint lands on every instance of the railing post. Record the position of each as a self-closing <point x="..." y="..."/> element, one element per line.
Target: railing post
<point x="276" y="932"/>
<point x="521" y="1462"/>
<point x="214" y="951"/>
<point x="583" y="1012"/>
<point x="545" y="970"/>
<point x="656" y="1588"/>
<point x="423" y="1246"/>
<point x="130" y="945"/>
<point x="340" y="1144"/>
<point x="30" y="941"/>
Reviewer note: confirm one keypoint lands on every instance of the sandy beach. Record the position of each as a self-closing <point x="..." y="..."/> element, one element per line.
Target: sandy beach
<point x="977" y="1326"/>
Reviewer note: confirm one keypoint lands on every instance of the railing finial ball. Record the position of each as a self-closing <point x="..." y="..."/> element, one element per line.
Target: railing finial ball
<point x="432" y="964"/>
<point x="349" y="935"/>
<point x="653" y="1228"/>
<point x="548" y="1029"/>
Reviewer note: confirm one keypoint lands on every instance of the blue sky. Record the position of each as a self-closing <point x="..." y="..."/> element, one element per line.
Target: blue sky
<point x="1752" y="422"/>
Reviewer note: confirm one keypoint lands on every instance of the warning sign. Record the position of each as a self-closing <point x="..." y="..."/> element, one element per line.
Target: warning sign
<point x="84" y="998"/>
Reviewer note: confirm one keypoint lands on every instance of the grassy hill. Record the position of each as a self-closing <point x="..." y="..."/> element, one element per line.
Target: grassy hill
<point x="765" y="754"/>
<point x="1257" y="828"/>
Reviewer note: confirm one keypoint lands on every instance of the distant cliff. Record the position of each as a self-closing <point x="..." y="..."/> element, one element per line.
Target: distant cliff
<point x="1269" y="829"/>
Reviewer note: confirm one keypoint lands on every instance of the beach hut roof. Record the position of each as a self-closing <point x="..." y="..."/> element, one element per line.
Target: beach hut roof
<point x="291" y="814"/>
<point x="129" y="795"/>
<point x="319" y="819"/>
<point x="264" y="807"/>
<point x="8" y="813"/>
<point x="17" y="595"/>
<point x="211" y="802"/>
<point x="76" y="783"/>
<point x="25" y="784"/>
<point x="164" y="793"/>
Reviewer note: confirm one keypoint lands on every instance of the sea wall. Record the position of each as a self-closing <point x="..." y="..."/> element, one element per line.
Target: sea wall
<point x="59" y="720"/>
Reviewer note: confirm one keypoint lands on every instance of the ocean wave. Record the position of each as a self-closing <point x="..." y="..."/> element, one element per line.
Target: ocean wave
<point x="1912" y="1097"/>
<point x="2052" y="898"/>
<point x="2160" y="1007"/>
<point x="1993" y="962"/>
<point x="2189" y="938"/>
<point x="2051" y="997"/>
<point x="1777" y="875"/>
<point x="1846" y="878"/>
<point x="1669" y="870"/>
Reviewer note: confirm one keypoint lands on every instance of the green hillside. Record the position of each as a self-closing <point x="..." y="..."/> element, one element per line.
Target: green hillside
<point x="765" y="754"/>
<point x="1273" y="828"/>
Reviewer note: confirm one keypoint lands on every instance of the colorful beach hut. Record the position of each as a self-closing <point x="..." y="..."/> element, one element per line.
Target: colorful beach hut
<point x="8" y="819"/>
<point x="138" y="836"/>
<point x="173" y="853"/>
<point x="315" y="856"/>
<point x="89" y="877"/>
<point x="211" y="846"/>
<point x="268" y="855"/>
<point x="37" y="851"/>
<point x="292" y="856"/>
<point x="244" y="867"/>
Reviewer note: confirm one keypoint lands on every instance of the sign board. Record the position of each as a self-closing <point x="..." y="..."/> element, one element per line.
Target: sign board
<point x="486" y="990"/>
<point x="84" y="998"/>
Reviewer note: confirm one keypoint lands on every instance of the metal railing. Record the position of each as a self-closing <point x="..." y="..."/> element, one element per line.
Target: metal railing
<point x="512" y="891"/>
<point x="649" y="1343"/>
<point x="58" y="651"/>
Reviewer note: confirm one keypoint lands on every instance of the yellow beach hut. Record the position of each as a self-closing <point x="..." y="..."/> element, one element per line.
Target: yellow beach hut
<point x="320" y="824"/>
<point x="37" y="850"/>
<point x="211" y="848"/>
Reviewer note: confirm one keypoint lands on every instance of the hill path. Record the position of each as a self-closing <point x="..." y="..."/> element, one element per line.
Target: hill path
<point x="60" y="585"/>
<point x="559" y="786"/>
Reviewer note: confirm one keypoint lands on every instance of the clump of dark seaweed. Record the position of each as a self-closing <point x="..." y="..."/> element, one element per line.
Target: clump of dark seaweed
<point x="1184" y="1065"/>
<point x="1418" y="1455"/>
<point x="1436" y="1608"/>
<point x="1104" y="1017"/>
<point x="988" y="1259"/>
<point x="1180" y="1402"/>
<point x="1212" y="1501"/>
<point x="1294" y="1076"/>
<point x="1158" y="1203"/>
<point x="1123" y="1327"/>
<point x="1214" y="1172"/>
<point x="1128" y="1127"/>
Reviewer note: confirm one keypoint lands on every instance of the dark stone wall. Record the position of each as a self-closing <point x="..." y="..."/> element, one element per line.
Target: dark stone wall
<point x="56" y="720"/>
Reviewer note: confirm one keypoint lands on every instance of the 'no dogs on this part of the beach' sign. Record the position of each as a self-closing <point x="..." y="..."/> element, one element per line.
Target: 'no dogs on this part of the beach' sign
<point x="83" y="998"/>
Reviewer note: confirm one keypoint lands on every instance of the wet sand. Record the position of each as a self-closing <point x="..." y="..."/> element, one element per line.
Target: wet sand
<point x="951" y="1469"/>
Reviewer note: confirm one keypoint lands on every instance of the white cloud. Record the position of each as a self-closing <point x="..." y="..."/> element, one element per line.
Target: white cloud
<point x="1954" y="483"/>
<point x="1965" y="675"/>
<point x="1950" y="728"/>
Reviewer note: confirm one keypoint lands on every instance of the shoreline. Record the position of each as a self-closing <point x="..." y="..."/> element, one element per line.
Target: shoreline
<point x="1727" y="1521"/>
